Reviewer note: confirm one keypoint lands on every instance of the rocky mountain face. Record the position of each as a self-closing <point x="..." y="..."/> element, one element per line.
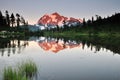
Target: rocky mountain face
<point x="55" y="19"/>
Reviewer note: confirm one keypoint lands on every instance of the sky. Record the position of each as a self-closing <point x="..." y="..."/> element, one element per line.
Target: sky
<point x="32" y="10"/>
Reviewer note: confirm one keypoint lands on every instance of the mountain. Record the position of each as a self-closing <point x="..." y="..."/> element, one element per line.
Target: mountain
<point x="57" y="19"/>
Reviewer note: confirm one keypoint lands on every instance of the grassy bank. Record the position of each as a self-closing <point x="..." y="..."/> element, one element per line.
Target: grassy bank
<point x="98" y="30"/>
<point x="77" y="34"/>
<point x="8" y="34"/>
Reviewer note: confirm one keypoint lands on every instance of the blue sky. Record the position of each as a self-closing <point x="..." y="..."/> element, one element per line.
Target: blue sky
<point x="32" y="10"/>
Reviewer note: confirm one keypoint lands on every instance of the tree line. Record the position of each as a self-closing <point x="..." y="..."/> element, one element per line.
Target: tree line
<point x="108" y="24"/>
<point x="11" y="20"/>
<point x="93" y="25"/>
<point x="114" y="19"/>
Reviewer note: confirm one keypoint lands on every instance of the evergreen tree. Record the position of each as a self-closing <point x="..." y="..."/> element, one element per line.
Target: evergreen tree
<point x="18" y="19"/>
<point x="97" y="17"/>
<point x="1" y="18"/>
<point x="12" y="19"/>
<point x="84" y="22"/>
<point x="58" y="28"/>
<point x="7" y="18"/>
<point x="23" y="21"/>
<point x="92" y="19"/>
<point x="89" y="22"/>
<point x="65" y="25"/>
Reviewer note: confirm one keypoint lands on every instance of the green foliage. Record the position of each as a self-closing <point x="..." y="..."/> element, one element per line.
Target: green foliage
<point x="10" y="74"/>
<point x="25" y="71"/>
<point x="28" y="68"/>
<point x="8" y="20"/>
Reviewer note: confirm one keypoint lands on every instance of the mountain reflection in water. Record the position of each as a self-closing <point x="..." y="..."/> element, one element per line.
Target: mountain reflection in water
<point x="56" y="45"/>
<point x="17" y="45"/>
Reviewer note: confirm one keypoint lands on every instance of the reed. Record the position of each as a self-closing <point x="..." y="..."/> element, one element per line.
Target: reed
<point x="24" y="71"/>
<point x="28" y="69"/>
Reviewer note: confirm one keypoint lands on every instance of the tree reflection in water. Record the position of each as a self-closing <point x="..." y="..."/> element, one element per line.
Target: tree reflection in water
<point x="57" y="44"/>
<point x="14" y="45"/>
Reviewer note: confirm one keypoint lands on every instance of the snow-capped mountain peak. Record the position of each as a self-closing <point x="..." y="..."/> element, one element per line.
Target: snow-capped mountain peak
<point x="57" y="19"/>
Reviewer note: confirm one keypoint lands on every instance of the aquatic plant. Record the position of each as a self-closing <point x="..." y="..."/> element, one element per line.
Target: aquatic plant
<point x="28" y="69"/>
<point x="25" y="71"/>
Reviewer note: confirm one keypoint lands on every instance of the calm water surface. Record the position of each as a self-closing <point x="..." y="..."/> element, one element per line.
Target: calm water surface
<point x="58" y="59"/>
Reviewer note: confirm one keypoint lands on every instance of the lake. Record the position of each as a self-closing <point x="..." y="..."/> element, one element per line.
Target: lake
<point x="64" y="58"/>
